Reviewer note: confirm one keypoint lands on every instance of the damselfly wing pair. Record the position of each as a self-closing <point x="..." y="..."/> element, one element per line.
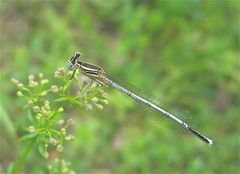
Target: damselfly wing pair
<point x="96" y="73"/>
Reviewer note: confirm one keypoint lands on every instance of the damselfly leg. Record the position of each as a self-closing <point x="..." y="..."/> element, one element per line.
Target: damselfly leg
<point x="73" y="74"/>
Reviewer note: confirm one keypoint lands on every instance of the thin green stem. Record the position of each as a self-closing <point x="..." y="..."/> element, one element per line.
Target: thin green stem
<point x="23" y="157"/>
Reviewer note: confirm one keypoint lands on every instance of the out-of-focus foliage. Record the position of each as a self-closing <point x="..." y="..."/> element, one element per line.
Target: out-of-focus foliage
<point x="184" y="51"/>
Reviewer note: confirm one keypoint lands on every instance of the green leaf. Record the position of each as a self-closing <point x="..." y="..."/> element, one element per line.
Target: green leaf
<point x="43" y="151"/>
<point x="61" y="99"/>
<point x="66" y="87"/>
<point x="24" y="128"/>
<point x="10" y="168"/>
<point x="27" y="137"/>
<point x="30" y="117"/>
<point x="25" y="89"/>
<point x="26" y="106"/>
<point x="6" y="123"/>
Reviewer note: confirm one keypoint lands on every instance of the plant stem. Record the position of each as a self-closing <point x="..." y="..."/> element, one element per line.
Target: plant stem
<point x="22" y="157"/>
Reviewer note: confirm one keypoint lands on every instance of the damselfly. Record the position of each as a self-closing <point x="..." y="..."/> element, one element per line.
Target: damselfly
<point x="96" y="73"/>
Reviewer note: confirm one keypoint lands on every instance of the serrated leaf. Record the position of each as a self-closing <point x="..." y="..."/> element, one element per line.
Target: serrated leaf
<point x="27" y="137"/>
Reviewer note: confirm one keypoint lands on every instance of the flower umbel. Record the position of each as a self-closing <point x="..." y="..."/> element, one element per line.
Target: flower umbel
<point x="46" y="102"/>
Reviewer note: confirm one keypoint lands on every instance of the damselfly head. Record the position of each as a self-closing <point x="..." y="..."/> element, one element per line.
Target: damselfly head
<point x="73" y="61"/>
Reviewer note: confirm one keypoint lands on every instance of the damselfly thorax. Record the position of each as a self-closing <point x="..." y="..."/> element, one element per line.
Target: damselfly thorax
<point x="93" y="72"/>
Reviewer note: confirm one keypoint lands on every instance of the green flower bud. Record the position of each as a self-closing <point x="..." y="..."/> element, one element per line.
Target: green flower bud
<point x="20" y="85"/>
<point x="104" y="95"/>
<point x="95" y="99"/>
<point x="62" y="70"/>
<point x="44" y="81"/>
<point x="19" y="94"/>
<point x="46" y="155"/>
<point x="60" y="122"/>
<point x="65" y="170"/>
<point x="70" y="121"/>
<point x="38" y="117"/>
<point x="57" y="75"/>
<point x="44" y="93"/>
<point x="69" y="137"/>
<point x="30" y="102"/>
<point x="104" y="102"/>
<point x="36" y="108"/>
<point x="54" y="88"/>
<point x="94" y="85"/>
<point x="47" y="105"/>
<point x="44" y="111"/>
<point x="63" y="131"/>
<point x="100" y="107"/>
<point x="33" y="84"/>
<point x="59" y="148"/>
<point x="60" y="109"/>
<point x="53" y="141"/>
<point x="16" y="82"/>
<point x="31" y="77"/>
<point x="40" y="75"/>
<point x="31" y="129"/>
<point x="49" y="167"/>
<point x="89" y="107"/>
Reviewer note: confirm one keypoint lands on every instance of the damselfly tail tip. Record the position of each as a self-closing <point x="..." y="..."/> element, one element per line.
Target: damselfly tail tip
<point x="210" y="142"/>
<point x="202" y="137"/>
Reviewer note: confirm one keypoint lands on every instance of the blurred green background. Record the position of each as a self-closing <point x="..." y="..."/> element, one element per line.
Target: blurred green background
<point x="184" y="51"/>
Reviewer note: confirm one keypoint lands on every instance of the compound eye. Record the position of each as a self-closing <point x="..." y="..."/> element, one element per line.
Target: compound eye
<point x="78" y="55"/>
<point x="70" y="66"/>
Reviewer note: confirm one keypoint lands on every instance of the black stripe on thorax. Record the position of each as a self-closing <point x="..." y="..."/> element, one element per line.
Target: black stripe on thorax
<point x="91" y="74"/>
<point x="89" y="66"/>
